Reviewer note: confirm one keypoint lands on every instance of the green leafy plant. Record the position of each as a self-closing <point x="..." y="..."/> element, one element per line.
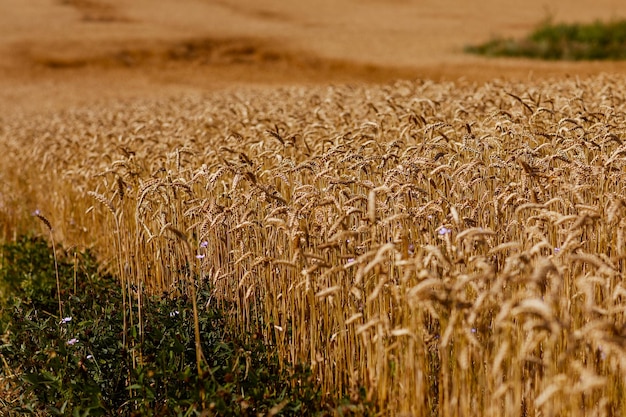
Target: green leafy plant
<point x="78" y="365"/>
<point x="593" y="41"/>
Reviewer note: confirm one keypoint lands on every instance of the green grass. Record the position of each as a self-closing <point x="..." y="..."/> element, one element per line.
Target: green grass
<point x="572" y="42"/>
<point x="80" y="366"/>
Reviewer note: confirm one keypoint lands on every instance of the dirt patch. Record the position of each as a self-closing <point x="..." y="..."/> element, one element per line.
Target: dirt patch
<point x="96" y="11"/>
<point x="254" y="12"/>
<point x="252" y="54"/>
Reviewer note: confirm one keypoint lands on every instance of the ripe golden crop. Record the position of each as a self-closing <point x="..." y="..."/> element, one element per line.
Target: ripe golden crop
<point x="454" y="249"/>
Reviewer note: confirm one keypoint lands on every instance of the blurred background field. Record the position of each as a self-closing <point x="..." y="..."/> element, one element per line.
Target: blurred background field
<point x="58" y="53"/>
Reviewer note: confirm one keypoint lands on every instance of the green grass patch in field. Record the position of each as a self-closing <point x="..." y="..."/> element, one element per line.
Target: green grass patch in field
<point x="79" y="365"/>
<point x="572" y="42"/>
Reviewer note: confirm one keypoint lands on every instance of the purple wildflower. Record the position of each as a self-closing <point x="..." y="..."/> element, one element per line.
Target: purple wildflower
<point x="444" y="231"/>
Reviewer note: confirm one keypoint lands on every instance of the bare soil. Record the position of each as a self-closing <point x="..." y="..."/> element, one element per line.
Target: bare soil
<point x="60" y="53"/>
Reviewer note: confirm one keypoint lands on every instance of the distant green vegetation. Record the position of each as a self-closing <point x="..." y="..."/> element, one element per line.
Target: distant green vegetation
<point x="571" y="42"/>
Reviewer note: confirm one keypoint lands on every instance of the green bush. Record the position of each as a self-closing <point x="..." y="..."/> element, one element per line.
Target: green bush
<point x="594" y="41"/>
<point x="79" y="365"/>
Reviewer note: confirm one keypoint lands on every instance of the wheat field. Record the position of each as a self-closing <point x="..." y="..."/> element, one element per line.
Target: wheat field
<point x="452" y="249"/>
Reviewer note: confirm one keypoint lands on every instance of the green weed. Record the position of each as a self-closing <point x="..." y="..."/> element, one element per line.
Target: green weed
<point x="78" y="364"/>
<point x="572" y="42"/>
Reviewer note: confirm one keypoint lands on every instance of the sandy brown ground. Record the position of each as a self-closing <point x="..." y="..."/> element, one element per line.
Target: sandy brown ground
<point x="58" y="53"/>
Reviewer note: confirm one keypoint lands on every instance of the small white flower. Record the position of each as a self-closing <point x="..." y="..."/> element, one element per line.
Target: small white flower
<point x="204" y="244"/>
<point x="72" y="341"/>
<point x="200" y="256"/>
<point x="89" y="357"/>
<point x="174" y="313"/>
<point x="65" y="320"/>
<point x="557" y="250"/>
